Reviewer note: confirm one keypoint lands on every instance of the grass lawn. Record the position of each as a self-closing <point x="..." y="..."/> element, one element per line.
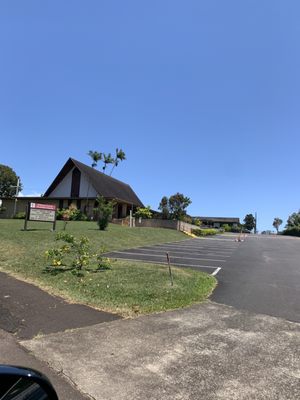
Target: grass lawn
<point x="128" y="288"/>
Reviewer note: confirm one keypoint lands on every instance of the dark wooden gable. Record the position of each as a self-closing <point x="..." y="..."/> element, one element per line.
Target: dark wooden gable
<point x="75" y="187"/>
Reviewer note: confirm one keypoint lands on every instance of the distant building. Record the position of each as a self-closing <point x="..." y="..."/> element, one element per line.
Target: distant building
<point x="218" y="222"/>
<point x="80" y="184"/>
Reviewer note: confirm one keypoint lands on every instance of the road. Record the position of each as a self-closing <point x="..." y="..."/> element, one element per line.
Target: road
<point x="263" y="276"/>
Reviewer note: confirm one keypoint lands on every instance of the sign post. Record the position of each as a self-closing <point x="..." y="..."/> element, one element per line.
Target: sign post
<point x="41" y="213"/>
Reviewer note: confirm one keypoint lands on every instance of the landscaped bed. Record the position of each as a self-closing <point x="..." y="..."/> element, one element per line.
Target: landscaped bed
<point x="127" y="288"/>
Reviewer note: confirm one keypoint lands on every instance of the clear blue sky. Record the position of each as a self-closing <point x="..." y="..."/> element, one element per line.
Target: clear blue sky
<point x="203" y="96"/>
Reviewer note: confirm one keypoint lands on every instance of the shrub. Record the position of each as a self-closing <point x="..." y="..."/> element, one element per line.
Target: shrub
<point x="295" y="231"/>
<point x="20" y="215"/>
<point x="74" y="214"/>
<point x="197" y="222"/>
<point x="103" y="213"/>
<point x="75" y="253"/>
<point x="226" y="228"/>
<point x="204" y="232"/>
<point x="143" y="212"/>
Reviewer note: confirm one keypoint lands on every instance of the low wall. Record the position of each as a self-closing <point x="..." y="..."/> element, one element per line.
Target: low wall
<point x="156" y="223"/>
<point x="186" y="227"/>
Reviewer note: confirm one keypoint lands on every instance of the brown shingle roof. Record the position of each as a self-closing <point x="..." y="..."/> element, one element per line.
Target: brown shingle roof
<point x="103" y="184"/>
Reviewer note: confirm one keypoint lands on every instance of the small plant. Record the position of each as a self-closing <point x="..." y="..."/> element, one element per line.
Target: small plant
<point x="55" y="256"/>
<point x="103" y="262"/>
<point x="103" y="213"/>
<point x="82" y="252"/>
<point x="20" y="215"/>
<point x="75" y="253"/>
<point x="67" y="214"/>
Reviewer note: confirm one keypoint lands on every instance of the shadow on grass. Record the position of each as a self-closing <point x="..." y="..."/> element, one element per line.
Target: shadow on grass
<point x="36" y="229"/>
<point x="54" y="271"/>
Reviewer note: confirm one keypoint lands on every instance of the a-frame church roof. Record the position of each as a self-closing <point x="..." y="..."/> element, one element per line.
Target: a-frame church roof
<point x="103" y="184"/>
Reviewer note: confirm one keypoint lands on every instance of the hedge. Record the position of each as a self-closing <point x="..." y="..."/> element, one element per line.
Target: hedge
<point x="204" y="232"/>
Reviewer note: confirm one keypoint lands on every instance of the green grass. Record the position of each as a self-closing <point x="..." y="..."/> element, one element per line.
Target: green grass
<point x="128" y="288"/>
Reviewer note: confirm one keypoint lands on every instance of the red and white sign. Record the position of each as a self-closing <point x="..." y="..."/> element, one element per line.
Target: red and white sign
<point x="43" y="206"/>
<point x="42" y="212"/>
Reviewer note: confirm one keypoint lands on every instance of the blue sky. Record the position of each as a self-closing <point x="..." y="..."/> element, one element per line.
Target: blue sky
<point x="203" y="96"/>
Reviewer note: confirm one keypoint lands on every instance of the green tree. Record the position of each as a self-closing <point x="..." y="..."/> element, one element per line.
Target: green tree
<point x="178" y="204"/>
<point x="293" y="220"/>
<point x="249" y="222"/>
<point x="8" y="181"/>
<point x="276" y="223"/>
<point x="143" y="212"/>
<point x="107" y="159"/>
<point x="103" y="212"/>
<point x="95" y="156"/>
<point x="175" y="206"/>
<point x="164" y="207"/>
<point x="120" y="156"/>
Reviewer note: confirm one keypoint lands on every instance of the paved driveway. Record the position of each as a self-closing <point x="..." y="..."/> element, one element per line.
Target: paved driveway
<point x="208" y="255"/>
<point x="208" y="351"/>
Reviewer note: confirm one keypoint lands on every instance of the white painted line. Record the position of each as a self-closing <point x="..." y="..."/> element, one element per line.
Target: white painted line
<point x="165" y="263"/>
<point x="200" y="243"/>
<point x="141" y="249"/>
<point x="223" y="240"/>
<point x="158" y="255"/>
<point x="195" y="247"/>
<point x="216" y="271"/>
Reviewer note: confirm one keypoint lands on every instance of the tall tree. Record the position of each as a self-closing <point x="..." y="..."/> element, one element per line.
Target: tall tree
<point x="164" y="207"/>
<point x="276" y="223"/>
<point x="120" y="156"/>
<point x="293" y="220"/>
<point x="107" y="159"/>
<point x="95" y="156"/>
<point x="249" y="222"/>
<point x="178" y="204"/>
<point x="8" y="182"/>
<point x="175" y="206"/>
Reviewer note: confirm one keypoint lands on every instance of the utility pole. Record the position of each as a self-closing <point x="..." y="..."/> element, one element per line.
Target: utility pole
<point x="255" y="228"/>
<point x="16" y="195"/>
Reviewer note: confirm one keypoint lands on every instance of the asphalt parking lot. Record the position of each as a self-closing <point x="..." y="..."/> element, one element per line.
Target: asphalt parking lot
<point x="260" y="274"/>
<point x="207" y="254"/>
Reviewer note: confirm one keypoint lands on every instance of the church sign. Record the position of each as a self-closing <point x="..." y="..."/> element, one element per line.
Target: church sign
<point x="41" y="213"/>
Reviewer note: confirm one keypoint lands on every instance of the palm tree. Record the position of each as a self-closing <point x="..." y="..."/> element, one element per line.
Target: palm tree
<point x="276" y="223"/>
<point x="95" y="156"/>
<point x="107" y="159"/>
<point x="120" y="156"/>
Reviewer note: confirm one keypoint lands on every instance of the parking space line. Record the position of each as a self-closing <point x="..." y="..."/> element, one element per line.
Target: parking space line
<point x="195" y="247"/>
<point x="158" y="255"/>
<point x="138" y="249"/>
<point x="216" y="271"/>
<point x="165" y="263"/>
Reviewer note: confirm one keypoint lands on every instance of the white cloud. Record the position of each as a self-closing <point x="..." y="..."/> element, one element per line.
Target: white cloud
<point x="33" y="194"/>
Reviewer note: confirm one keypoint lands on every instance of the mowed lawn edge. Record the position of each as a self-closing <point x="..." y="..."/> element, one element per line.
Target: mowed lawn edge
<point x="129" y="288"/>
